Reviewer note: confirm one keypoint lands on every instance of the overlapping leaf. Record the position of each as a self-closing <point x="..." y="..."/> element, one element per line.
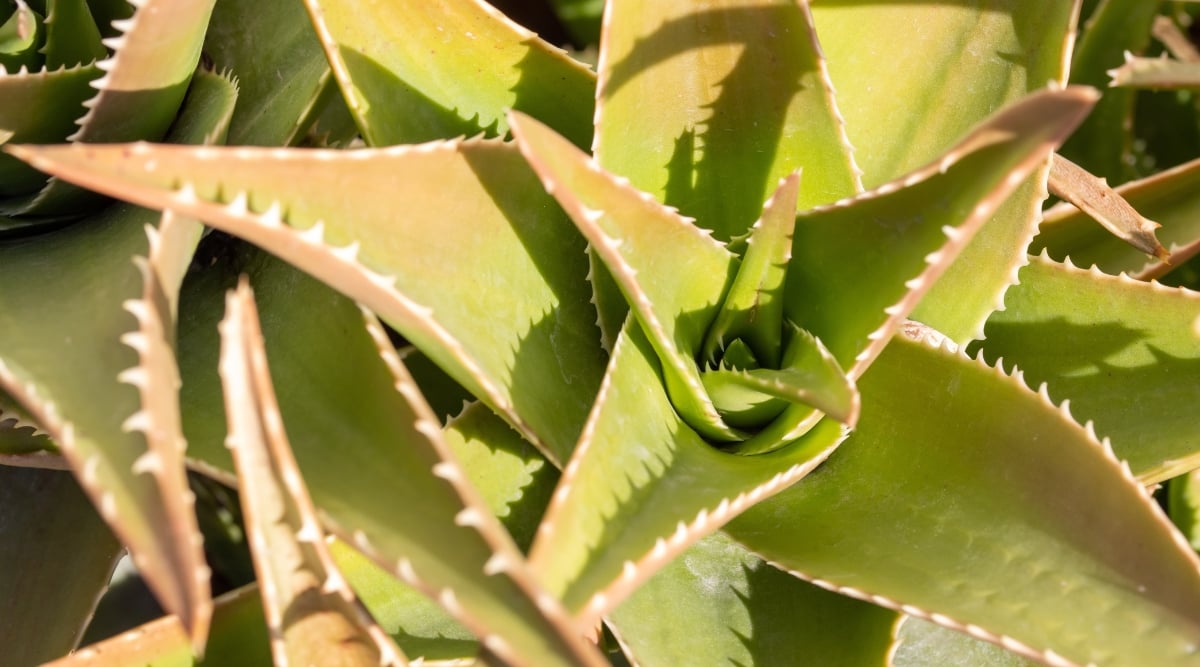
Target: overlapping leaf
<point x="993" y="513"/>
<point x="1125" y="353"/>
<point x="536" y="361"/>
<point x="414" y="70"/>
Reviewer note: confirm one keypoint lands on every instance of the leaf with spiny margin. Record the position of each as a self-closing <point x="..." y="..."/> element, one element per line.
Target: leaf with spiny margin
<point x="414" y="70"/>
<point x="333" y="387"/>
<point x="717" y="600"/>
<point x="58" y="383"/>
<point x="921" y="643"/>
<point x="516" y="483"/>
<point x="50" y="103"/>
<point x="127" y="451"/>
<point x="19" y="40"/>
<point x="312" y="614"/>
<point x="1171" y="197"/>
<point x="1125" y="352"/>
<point x="753" y="308"/>
<point x="1103" y="144"/>
<point x="683" y="114"/>
<point x="280" y="84"/>
<point x="139" y="95"/>
<point x="56" y="556"/>
<point x="673" y="274"/>
<point x="422" y="629"/>
<point x="998" y="52"/>
<point x="72" y="37"/>
<point x="860" y="266"/>
<point x="514" y="479"/>
<point x="239" y="637"/>
<point x="809" y="376"/>
<point x="526" y="344"/>
<point x="1093" y="196"/>
<point x="20" y="435"/>
<point x="965" y="497"/>
<point x="1156" y="74"/>
<point x="637" y="492"/>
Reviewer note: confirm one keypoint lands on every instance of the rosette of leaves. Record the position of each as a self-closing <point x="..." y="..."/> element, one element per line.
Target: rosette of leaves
<point x="744" y="399"/>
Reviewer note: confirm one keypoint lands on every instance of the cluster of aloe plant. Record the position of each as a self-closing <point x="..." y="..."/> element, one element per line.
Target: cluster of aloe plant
<point x="741" y="346"/>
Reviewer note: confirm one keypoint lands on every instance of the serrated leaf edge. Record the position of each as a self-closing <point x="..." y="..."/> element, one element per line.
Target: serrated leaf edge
<point x="931" y="338"/>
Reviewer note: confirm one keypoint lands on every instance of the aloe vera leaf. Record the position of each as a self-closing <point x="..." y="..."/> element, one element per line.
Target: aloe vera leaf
<point x="1125" y="352"/>
<point x="716" y="600"/>
<point x="20" y="435"/>
<point x="533" y="357"/>
<point x="1156" y="74"/>
<point x="859" y="266"/>
<point x="514" y="479"/>
<point x="1171" y="198"/>
<point x="1103" y="144"/>
<point x="72" y="37"/>
<point x="414" y="70"/>
<point x="753" y="309"/>
<point x="58" y="384"/>
<point x="684" y="114"/>
<point x="993" y="513"/>
<point x="421" y="628"/>
<point x="810" y="376"/>
<point x="674" y="274"/>
<point x="354" y="402"/>
<point x="997" y="51"/>
<point x="21" y="37"/>
<point x="638" y="492"/>
<point x="280" y="84"/>
<point x="921" y="643"/>
<point x="127" y="451"/>
<point x="56" y="556"/>
<point x="312" y="614"/>
<point x="51" y="103"/>
<point x="1093" y="196"/>
<point x="239" y="637"/>
<point x="139" y="95"/>
<point x="446" y="397"/>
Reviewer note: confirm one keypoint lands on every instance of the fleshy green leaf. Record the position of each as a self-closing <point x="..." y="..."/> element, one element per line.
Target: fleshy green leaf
<point x="140" y="93"/>
<point x="72" y="37"/>
<point x="859" y="266"/>
<point x="534" y="357"/>
<point x="239" y="637"/>
<point x="58" y="384"/>
<point x="431" y="531"/>
<point x="684" y="116"/>
<point x="717" y="601"/>
<point x="992" y="512"/>
<point x="415" y="622"/>
<point x="637" y="492"/>
<point x="648" y="249"/>
<point x="312" y="614"/>
<point x="999" y="53"/>
<point x="56" y="555"/>
<point x="51" y="101"/>
<point x="1126" y="353"/>
<point x="280" y="84"/>
<point x="414" y="71"/>
<point x="920" y="643"/>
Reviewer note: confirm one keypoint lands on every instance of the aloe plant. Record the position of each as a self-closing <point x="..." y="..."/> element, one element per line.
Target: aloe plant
<point x="693" y="359"/>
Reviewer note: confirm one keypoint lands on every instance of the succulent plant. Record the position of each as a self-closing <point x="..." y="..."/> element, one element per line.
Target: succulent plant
<point x="692" y="360"/>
